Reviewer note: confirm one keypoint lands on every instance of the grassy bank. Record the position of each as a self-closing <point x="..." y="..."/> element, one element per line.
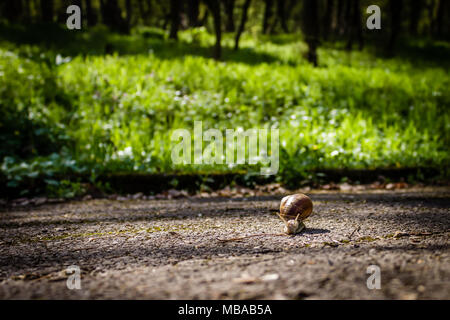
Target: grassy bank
<point x="102" y="103"/>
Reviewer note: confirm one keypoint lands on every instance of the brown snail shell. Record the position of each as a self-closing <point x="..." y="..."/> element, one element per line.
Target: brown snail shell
<point x="295" y="205"/>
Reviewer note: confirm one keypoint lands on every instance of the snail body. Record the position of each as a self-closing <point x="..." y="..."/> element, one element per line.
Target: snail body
<point x="294" y="209"/>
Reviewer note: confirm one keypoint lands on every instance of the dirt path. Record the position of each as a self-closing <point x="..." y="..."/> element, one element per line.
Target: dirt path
<point x="171" y="249"/>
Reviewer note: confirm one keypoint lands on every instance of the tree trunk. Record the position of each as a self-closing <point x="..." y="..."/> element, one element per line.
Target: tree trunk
<point x="355" y="26"/>
<point x="166" y="15"/>
<point x="311" y="29"/>
<point x="340" y="17"/>
<point x="214" y="7"/>
<point x="242" y="24"/>
<point x="229" y="10"/>
<point x="47" y="10"/>
<point x="112" y="16"/>
<point x="129" y="12"/>
<point x="359" y="25"/>
<point x="193" y="12"/>
<point x="27" y="12"/>
<point x="430" y="8"/>
<point x="102" y="10"/>
<point x="327" y="18"/>
<point x="416" y="11"/>
<point x="143" y="10"/>
<point x="174" y="19"/>
<point x="91" y="16"/>
<point x="13" y="10"/>
<point x="281" y="12"/>
<point x="440" y="19"/>
<point x="204" y="19"/>
<point x="396" y="7"/>
<point x="347" y="17"/>
<point x="267" y="15"/>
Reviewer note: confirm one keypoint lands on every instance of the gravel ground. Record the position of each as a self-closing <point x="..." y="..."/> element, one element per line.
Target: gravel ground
<point x="172" y="249"/>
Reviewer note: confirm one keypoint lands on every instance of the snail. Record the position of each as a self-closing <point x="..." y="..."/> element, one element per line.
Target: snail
<point x="294" y="209"/>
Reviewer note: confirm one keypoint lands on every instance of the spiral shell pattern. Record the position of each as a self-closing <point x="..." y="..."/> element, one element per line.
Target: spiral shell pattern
<point x="296" y="204"/>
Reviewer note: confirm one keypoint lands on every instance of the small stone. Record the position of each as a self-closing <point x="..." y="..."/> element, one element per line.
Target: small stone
<point x="21" y="202"/>
<point x="270" y="277"/>
<point x="345" y="187"/>
<point x="279" y="296"/>
<point x="409" y="296"/>
<point x="39" y="201"/>
<point x="137" y="196"/>
<point x="390" y="186"/>
<point x="177" y="194"/>
<point x="421" y="288"/>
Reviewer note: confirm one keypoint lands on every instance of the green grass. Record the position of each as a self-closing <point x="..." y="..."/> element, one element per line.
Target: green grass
<point x="115" y="113"/>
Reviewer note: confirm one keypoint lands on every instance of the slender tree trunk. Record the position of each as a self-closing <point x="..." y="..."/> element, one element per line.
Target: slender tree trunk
<point x="335" y="18"/>
<point x="311" y="29"/>
<point x="13" y="10"/>
<point x="396" y="7"/>
<point x="129" y="11"/>
<point x="355" y="26"/>
<point x="341" y="17"/>
<point x="47" y="10"/>
<point x="328" y="18"/>
<point x="416" y="10"/>
<point x="148" y="11"/>
<point x="433" y="17"/>
<point x="112" y="16"/>
<point x="267" y="15"/>
<point x="430" y="8"/>
<point x="359" y="25"/>
<point x="289" y="8"/>
<point x="440" y="18"/>
<point x="273" y="26"/>
<point x="204" y="19"/>
<point x="229" y="10"/>
<point x="143" y="10"/>
<point x="174" y="19"/>
<point x="166" y="14"/>
<point x="242" y="23"/>
<point x="193" y="12"/>
<point x="214" y="6"/>
<point x="347" y="16"/>
<point x="27" y="12"/>
<point x="91" y="16"/>
<point x="102" y="11"/>
<point x="281" y="12"/>
<point x="166" y="22"/>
